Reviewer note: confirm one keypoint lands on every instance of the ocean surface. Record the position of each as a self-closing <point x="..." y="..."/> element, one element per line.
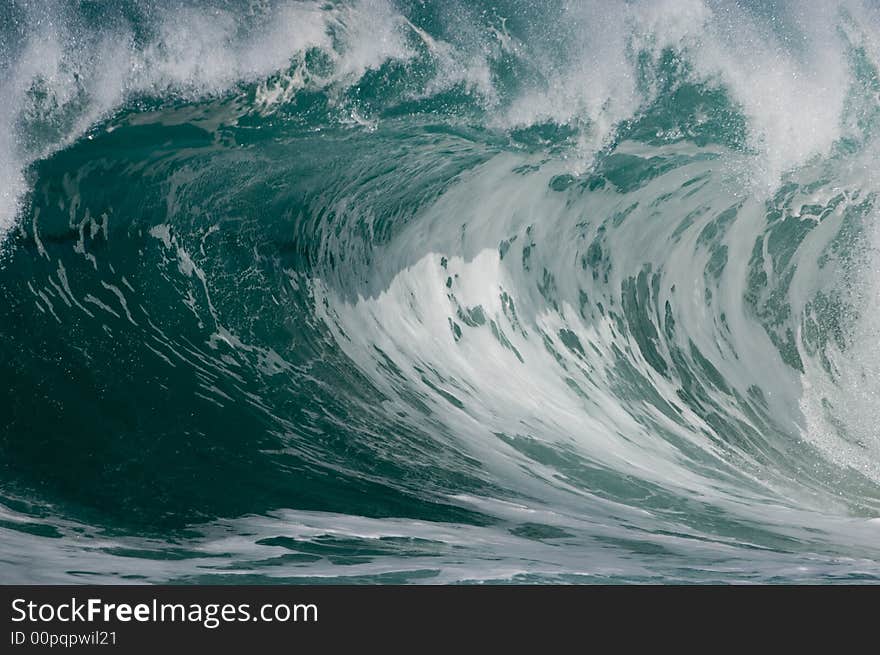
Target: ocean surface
<point x="435" y="291"/>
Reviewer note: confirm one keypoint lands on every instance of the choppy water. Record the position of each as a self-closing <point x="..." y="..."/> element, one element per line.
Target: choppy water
<point x="398" y="291"/>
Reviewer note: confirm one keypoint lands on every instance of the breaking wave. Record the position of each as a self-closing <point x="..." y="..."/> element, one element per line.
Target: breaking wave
<point x="439" y="291"/>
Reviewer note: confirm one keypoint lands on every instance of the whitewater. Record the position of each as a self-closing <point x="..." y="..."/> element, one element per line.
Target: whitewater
<point x="398" y="291"/>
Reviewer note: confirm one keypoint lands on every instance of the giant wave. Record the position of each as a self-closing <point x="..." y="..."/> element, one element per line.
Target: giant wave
<point x="402" y="291"/>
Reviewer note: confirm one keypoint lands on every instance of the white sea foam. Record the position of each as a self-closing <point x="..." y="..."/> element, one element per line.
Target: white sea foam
<point x="68" y="75"/>
<point x="791" y="77"/>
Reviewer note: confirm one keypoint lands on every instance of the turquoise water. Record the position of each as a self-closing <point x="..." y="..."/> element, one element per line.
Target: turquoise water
<point x="439" y="292"/>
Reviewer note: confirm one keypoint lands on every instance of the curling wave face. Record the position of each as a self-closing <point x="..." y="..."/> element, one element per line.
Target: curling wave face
<point x="433" y="292"/>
